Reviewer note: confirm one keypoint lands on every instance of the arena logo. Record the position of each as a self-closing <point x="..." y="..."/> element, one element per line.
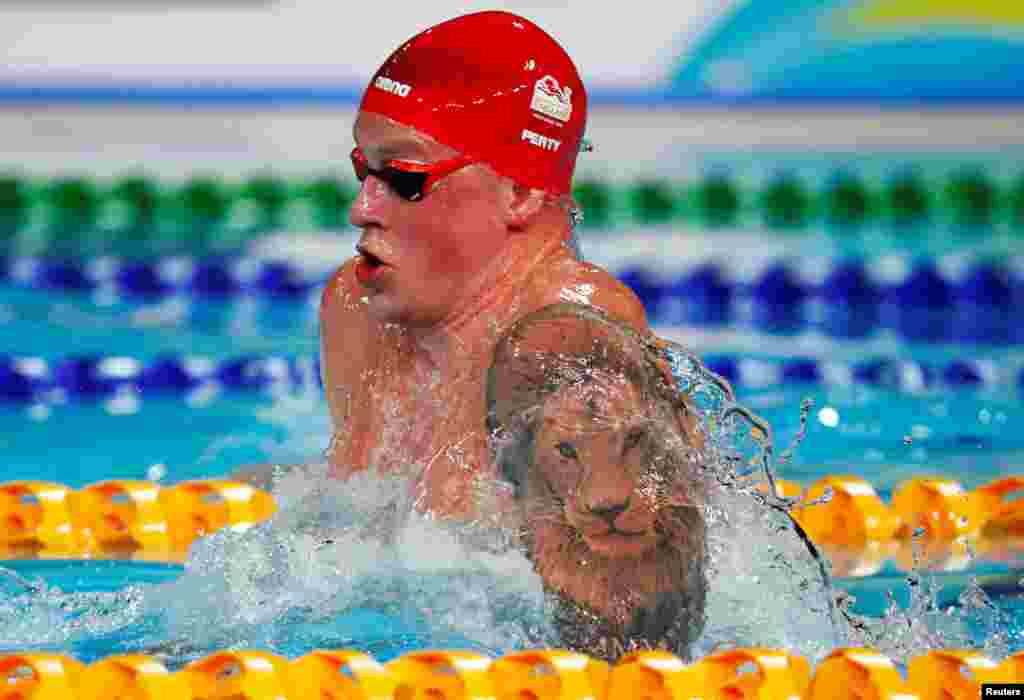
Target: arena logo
<point x="392" y="86"/>
<point x="541" y="141"/>
<point x="552" y="99"/>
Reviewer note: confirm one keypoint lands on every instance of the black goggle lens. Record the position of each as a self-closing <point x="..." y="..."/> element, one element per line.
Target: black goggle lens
<point x="407" y="185"/>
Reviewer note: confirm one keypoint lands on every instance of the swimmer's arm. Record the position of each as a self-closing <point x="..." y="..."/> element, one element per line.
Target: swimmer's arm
<point x="343" y="343"/>
<point x="342" y="337"/>
<point x="347" y="343"/>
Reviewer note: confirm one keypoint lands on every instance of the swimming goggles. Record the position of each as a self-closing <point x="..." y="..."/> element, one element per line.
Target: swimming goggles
<point x="409" y="180"/>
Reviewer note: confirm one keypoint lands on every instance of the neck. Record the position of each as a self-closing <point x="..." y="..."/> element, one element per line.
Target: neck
<point x="493" y="302"/>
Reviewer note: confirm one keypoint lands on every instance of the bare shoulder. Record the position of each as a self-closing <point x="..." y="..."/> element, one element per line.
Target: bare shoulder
<point x="577" y="281"/>
<point x="343" y="314"/>
<point x="346" y="337"/>
<point x="341" y="295"/>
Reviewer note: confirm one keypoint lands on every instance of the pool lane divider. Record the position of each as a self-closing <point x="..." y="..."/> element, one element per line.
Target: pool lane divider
<point x="959" y="298"/>
<point x="931" y="522"/>
<point x="211" y="208"/>
<point x="30" y="380"/>
<point x="896" y="280"/>
<point x="141" y="280"/>
<point x="755" y="673"/>
<point x="123" y="518"/>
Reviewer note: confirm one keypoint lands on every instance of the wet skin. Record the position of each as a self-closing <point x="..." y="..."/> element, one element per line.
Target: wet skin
<point x="408" y="328"/>
<point x="611" y="507"/>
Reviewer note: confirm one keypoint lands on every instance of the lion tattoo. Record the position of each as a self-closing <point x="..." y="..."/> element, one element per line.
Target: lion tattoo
<point x="605" y="457"/>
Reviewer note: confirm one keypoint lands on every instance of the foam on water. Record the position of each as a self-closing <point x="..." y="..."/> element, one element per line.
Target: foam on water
<point x="340" y="565"/>
<point x="770" y="586"/>
<point x="756" y="554"/>
<point x="337" y="548"/>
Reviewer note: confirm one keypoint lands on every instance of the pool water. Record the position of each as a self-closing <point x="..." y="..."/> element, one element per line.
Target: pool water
<point x="283" y="590"/>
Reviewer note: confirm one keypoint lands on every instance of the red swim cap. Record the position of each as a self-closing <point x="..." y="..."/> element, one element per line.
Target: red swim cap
<point x="493" y="86"/>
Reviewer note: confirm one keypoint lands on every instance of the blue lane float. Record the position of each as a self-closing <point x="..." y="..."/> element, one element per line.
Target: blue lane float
<point x="788" y="281"/>
<point x="94" y="377"/>
<point x="132" y="279"/>
<point x="26" y="380"/>
<point x="930" y="301"/>
<point x="961" y="300"/>
<point x="917" y="283"/>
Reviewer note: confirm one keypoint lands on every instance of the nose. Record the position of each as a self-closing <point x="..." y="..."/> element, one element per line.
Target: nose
<point x="366" y="209"/>
<point x="609" y="512"/>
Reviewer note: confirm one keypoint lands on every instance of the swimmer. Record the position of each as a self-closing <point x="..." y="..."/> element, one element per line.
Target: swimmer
<point x="466" y="156"/>
<point x="605" y="457"/>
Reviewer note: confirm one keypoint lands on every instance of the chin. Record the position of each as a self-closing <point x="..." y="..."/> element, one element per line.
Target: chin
<point x="608" y="604"/>
<point x="386" y="309"/>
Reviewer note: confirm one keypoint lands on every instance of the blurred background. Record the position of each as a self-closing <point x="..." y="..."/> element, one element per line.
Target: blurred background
<point x="146" y="128"/>
<point x="810" y="194"/>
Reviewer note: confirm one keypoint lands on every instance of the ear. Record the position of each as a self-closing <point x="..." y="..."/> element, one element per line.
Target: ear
<point x="522" y="205"/>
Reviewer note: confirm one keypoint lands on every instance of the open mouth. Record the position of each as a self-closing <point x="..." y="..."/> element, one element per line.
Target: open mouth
<point x="369" y="266"/>
<point x="369" y="259"/>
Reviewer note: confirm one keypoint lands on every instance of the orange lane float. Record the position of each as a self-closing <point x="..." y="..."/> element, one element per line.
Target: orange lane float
<point x="858" y="674"/>
<point x="997" y="516"/>
<point x="122" y="518"/>
<point x="200" y="507"/>
<point x="939" y="507"/>
<point x="341" y="675"/>
<point x="932" y="522"/>
<point x="40" y="676"/>
<point x="953" y="674"/>
<point x="239" y="675"/>
<point x="36" y="516"/>
<point x="758" y="674"/>
<point x="551" y="674"/>
<point x="134" y="676"/>
<point x="852" y="516"/>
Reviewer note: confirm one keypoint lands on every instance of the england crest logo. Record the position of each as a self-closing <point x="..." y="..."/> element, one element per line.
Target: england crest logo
<point x="552" y="99"/>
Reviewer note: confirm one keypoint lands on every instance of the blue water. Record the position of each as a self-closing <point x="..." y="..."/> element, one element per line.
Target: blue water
<point x="50" y="324"/>
<point x="394" y="601"/>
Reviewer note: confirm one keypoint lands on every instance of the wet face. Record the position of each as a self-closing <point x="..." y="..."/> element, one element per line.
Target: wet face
<point x="424" y="260"/>
<point x="611" y="516"/>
